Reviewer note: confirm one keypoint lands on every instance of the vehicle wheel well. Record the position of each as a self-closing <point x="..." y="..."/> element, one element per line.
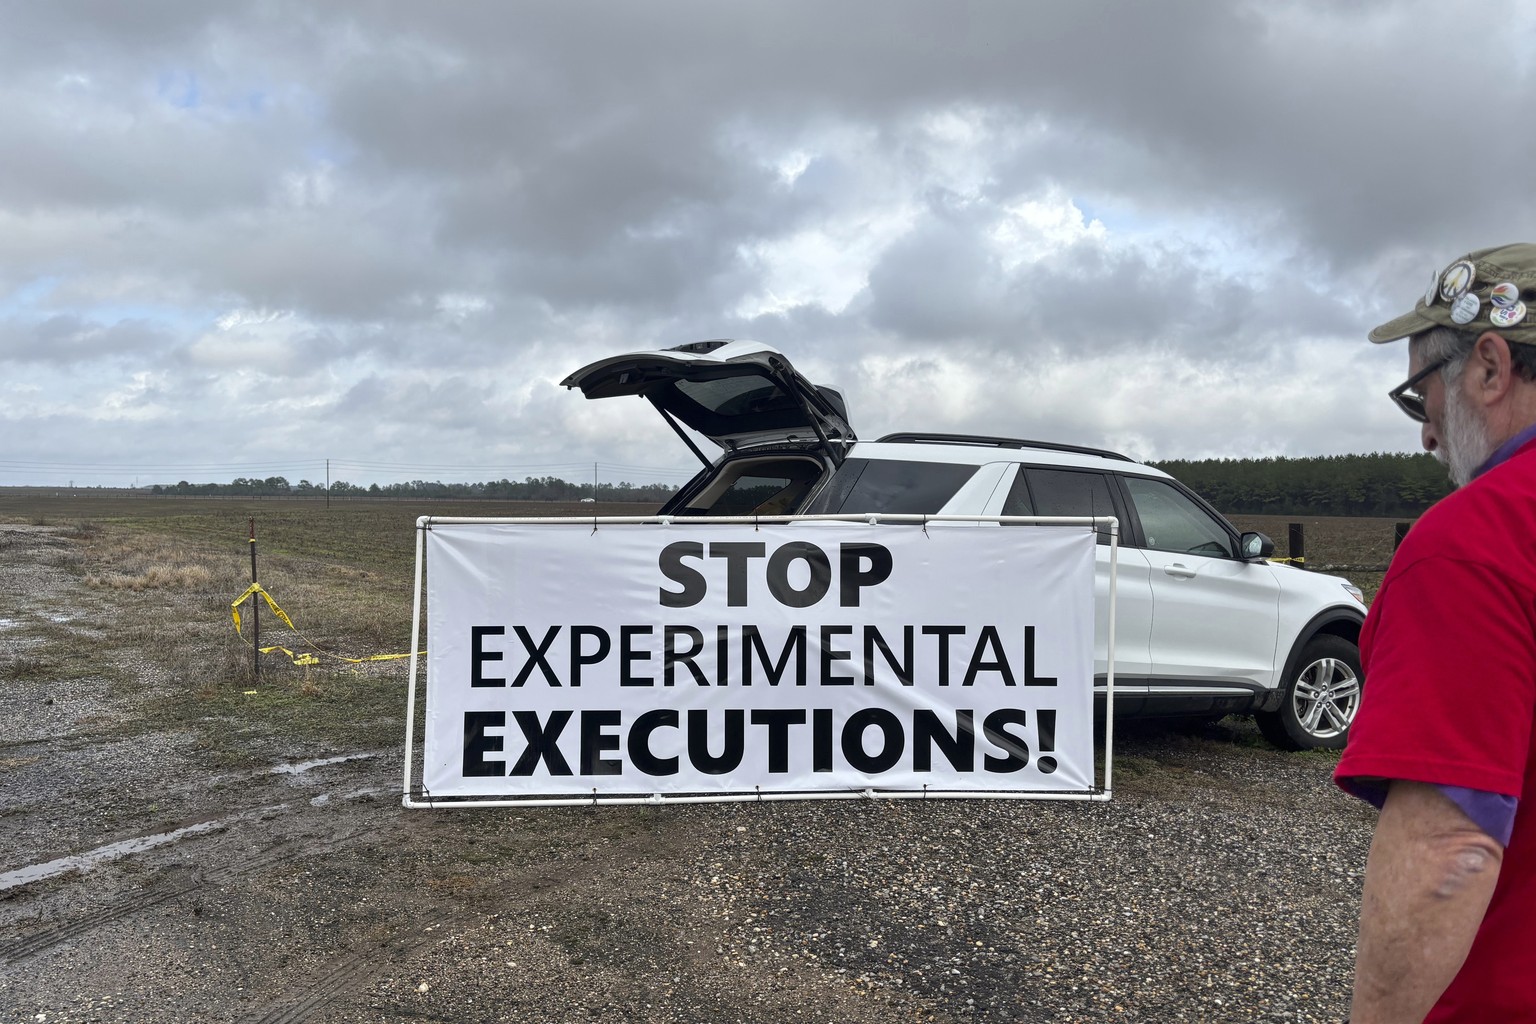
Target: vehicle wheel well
<point x="1343" y="626"/>
<point x="1349" y="629"/>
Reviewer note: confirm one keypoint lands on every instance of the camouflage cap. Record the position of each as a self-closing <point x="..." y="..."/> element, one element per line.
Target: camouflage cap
<point x="1487" y="290"/>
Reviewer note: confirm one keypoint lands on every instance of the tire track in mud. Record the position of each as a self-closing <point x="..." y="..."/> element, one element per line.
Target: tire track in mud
<point x="41" y="940"/>
<point x="353" y="973"/>
<point x="45" y="939"/>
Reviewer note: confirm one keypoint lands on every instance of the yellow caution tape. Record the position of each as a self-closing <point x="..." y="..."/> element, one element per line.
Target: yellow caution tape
<point x="255" y="588"/>
<point x="1294" y="561"/>
<point x="305" y="658"/>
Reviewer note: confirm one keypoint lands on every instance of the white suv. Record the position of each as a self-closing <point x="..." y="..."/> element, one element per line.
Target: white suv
<point x="1205" y="624"/>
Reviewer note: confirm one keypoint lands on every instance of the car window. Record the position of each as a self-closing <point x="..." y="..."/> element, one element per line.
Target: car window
<point x="885" y="485"/>
<point x="1172" y="522"/>
<point x="746" y="493"/>
<point x="1018" y="502"/>
<point x="766" y="490"/>
<point x="1066" y="492"/>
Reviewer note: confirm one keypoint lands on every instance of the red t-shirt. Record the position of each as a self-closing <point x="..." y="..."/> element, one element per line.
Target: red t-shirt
<point x="1449" y="656"/>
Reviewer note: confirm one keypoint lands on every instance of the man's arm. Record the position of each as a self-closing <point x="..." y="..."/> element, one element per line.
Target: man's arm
<point x="1428" y="880"/>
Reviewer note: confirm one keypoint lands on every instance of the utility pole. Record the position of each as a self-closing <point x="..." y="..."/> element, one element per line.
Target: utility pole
<point x="594" y="481"/>
<point x="327" y="483"/>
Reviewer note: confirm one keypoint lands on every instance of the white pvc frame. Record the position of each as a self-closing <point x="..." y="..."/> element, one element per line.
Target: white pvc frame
<point x="1096" y="794"/>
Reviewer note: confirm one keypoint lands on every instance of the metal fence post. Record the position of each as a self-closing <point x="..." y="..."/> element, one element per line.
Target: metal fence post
<point x="1298" y="546"/>
<point x="255" y="610"/>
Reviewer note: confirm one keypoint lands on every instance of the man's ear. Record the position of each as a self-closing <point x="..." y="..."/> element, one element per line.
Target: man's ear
<point x="1492" y="366"/>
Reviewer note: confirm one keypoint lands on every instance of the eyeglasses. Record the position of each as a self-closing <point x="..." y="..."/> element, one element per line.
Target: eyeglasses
<point x="1407" y="394"/>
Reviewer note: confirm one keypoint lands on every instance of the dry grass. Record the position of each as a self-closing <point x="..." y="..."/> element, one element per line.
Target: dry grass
<point x="26" y="666"/>
<point x="187" y="577"/>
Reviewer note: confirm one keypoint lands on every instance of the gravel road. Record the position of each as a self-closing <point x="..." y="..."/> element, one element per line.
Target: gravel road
<point x="137" y="884"/>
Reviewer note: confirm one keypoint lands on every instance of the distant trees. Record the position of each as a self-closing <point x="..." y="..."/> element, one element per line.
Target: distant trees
<point x="546" y="488"/>
<point x="1379" y="484"/>
<point x="541" y="488"/>
<point x="272" y="485"/>
<point x="1391" y="484"/>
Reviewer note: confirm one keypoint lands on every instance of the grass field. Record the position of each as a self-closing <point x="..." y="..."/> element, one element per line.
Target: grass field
<point x="171" y="566"/>
<point x="1334" y="541"/>
<point x="377" y="536"/>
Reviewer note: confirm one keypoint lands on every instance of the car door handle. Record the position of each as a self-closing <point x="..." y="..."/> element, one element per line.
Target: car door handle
<point x="1178" y="571"/>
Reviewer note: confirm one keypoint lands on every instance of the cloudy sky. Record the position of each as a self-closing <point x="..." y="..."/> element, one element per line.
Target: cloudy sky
<point x="241" y="239"/>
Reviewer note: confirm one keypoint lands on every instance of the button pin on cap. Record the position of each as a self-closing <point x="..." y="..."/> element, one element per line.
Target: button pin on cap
<point x="1464" y="310"/>
<point x="1505" y="295"/>
<point x="1507" y="316"/>
<point x="1457" y="279"/>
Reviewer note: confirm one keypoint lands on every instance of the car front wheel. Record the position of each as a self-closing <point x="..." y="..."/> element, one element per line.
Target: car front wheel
<point x="1320" y="699"/>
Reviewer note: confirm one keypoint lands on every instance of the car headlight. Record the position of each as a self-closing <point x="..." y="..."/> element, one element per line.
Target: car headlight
<point x="1354" y="592"/>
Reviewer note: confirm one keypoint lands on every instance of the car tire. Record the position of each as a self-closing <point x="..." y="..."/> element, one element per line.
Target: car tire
<point x="1319" y="698"/>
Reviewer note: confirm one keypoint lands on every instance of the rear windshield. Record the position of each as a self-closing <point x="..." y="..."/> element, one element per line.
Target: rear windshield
<point x="881" y="485"/>
<point x="744" y="395"/>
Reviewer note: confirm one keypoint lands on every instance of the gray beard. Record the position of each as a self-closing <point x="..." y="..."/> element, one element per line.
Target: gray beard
<point x="1466" y="444"/>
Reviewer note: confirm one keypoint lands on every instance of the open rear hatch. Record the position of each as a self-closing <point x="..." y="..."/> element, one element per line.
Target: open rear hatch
<point x="739" y="394"/>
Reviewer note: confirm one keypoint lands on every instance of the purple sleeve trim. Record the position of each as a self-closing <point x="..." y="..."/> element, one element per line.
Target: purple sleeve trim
<point x="1494" y="813"/>
<point x="1372" y="791"/>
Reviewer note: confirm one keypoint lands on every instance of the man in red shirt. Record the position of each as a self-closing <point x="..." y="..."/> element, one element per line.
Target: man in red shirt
<point x="1443" y="740"/>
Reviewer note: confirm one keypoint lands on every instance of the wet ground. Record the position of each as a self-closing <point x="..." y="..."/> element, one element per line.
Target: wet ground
<point x="140" y="883"/>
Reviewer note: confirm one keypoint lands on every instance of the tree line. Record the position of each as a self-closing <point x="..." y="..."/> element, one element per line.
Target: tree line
<point x="1379" y="484"/>
<point x="545" y="488"/>
<point x="1391" y="484"/>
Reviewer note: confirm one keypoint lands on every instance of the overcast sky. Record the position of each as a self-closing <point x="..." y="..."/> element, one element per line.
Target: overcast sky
<point x="241" y="239"/>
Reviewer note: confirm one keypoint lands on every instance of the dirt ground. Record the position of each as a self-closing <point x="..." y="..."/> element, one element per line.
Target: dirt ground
<point x="142" y="878"/>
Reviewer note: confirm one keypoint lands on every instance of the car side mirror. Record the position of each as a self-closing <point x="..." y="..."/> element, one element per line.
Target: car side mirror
<point x="1256" y="546"/>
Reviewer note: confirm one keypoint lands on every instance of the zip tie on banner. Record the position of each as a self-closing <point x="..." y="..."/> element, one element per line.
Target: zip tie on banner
<point x="306" y="658"/>
<point x="594" y="526"/>
<point x="925" y="527"/>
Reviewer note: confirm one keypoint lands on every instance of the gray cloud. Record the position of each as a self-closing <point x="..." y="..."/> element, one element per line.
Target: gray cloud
<point x="408" y="223"/>
<point x="67" y="340"/>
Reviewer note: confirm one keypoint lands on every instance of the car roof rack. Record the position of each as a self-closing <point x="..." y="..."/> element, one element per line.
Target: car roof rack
<point x="1000" y="442"/>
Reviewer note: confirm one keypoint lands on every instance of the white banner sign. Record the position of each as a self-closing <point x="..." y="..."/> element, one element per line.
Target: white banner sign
<point x="567" y="660"/>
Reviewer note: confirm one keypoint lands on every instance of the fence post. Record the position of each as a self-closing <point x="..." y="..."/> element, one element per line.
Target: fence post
<point x="1398" y="534"/>
<point x="1298" y="546"/>
<point x="255" y="610"/>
